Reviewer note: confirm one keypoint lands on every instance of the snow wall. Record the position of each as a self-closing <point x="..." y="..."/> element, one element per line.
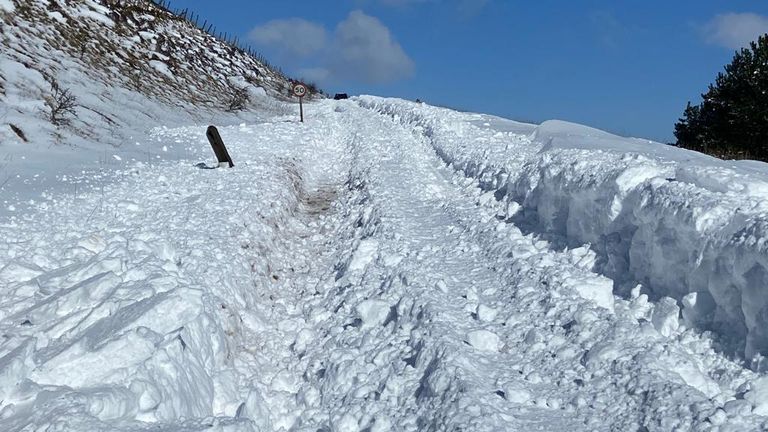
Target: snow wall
<point x="682" y="224"/>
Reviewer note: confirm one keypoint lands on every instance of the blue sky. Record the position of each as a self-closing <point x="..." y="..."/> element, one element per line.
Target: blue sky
<point x="628" y="67"/>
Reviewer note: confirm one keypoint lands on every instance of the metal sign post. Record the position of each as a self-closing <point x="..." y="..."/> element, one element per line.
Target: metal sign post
<point x="300" y="90"/>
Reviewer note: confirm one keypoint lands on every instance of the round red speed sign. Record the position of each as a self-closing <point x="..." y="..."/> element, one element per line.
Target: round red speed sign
<point x="299" y="90"/>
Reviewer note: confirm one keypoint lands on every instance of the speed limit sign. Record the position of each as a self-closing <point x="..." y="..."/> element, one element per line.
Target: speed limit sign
<point x="299" y="90"/>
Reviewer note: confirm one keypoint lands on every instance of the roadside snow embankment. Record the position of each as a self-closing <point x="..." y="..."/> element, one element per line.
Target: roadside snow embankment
<point x="682" y="224"/>
<point x="128" y="306"/>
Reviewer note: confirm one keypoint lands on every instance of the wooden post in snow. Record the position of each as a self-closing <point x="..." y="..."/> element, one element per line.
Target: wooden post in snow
<point x="222" y="155"/>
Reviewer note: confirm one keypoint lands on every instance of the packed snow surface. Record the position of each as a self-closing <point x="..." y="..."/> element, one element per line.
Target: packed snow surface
<point x="390" y="266"/>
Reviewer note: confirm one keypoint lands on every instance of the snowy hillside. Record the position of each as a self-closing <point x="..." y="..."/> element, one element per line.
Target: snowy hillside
<point x="343" y="277"/>
<point x="131" y="66"/>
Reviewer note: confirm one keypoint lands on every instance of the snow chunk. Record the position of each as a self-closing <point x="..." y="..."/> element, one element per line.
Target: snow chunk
<point x="665" y="316"/>
<point x="284" y="381"/>
<point x="758" y="396"/>
<point x="517" y="395"/>
<point x="128" y="205"/>
<point x="596" y="288"/>
<point x="364" y="255"/>
<point x="161" y="67"/>
<point x="718" y="418"/>
<point x="94" y="243"/>
<point x="347" y="423"/>
<point x="373" y="312"/>
<point x="486" y="313"/>
<point x="381" y="424"/>
<point x="14" y="273"/>
<point x="14" y="367"/>
<point x="484" y="340"/>
<point x="80" y="367"/>
<point x="303" y="339"/>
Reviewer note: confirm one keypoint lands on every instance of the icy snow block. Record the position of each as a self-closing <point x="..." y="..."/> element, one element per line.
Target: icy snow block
<point x="484" y="340"/>
<point x="758" y="396"/>
<point x="665" y="317"/>
<point x="218" y="147"/>
<point x="373" y="312"/>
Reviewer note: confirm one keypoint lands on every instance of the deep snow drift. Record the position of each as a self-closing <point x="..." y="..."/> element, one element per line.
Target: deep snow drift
<point x="682" y="224"/>
<point x="388" y="266"/>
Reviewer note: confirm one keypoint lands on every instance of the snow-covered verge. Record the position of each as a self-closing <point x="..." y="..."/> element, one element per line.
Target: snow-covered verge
<point x="131" y="66"/>
<point x="138" y="301"/>
<point x="681" y="224"/>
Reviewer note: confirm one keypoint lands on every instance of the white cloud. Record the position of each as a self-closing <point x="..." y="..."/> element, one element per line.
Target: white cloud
<point x="364" y="50"/>
<point x="361" y="49"/>
<point x="293" y="35"/>
<point x="736" y="30"/>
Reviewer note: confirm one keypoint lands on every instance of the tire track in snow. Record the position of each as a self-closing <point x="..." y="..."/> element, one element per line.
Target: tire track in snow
<point x="287" y="324"/>
<point x="397" y="352"/>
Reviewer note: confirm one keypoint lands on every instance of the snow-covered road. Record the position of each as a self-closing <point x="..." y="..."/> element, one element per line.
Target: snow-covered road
<point x="342" y="277"/>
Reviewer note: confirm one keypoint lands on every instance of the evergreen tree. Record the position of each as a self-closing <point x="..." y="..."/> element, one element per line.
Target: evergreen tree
<point x="732" y="119"/>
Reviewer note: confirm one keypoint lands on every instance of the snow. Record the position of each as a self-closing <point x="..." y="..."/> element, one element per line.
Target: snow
<point x="343" y="277"/>
<point x="161" y="68"/>
<point x="484" y="340"/>
<point x="373" y="312"/>
<point x="365" y="253"/>
<point x="675" y="221"/>
<point x="123" y="90"/>
<point x="486" y="313"/>
<point x="99" y="14"/>
<point x="665" y="317"/>
<point x="7" y="6"/>
<point x="758" y="396"/>
<point x="383" y="266"/>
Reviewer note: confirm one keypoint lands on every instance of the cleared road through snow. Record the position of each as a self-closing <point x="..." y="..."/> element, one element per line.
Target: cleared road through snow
<point x="341" y="277"/>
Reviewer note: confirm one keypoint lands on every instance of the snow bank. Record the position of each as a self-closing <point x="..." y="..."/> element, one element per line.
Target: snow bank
<point x="126" y="304"/>
<point x="676" y="221"/>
